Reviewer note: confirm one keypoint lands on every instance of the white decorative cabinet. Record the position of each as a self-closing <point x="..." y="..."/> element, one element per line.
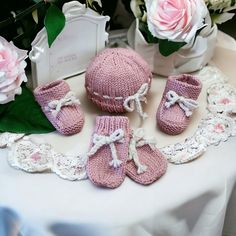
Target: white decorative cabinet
<point x="82" y="38"/>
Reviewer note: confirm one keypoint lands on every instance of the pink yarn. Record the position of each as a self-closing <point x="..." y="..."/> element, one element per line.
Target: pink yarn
<point x="155" y="162"/>
<point x="173" y="120"/>
<point x="98" y="169"/>
<point x="116" y="73"/>
<point x="70" y="119"/>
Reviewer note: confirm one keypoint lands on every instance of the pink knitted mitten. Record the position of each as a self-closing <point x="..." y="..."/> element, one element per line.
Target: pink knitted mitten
<point x="146" y="163"/>
<point x="109" y="152"/>
<point x="60" y="106"/>
<point x="178" y="103"/>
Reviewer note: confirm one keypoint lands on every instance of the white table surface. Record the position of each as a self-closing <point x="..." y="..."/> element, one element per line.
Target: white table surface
<point x="194" y="199"/>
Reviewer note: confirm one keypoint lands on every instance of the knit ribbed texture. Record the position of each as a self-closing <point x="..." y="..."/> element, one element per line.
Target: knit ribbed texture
<point x="70" y="119"/>
<point x="173" y="120"/>
<point x="114" y="75"/>
<point x="98" y="169"/>
<point x="154" y="161"/>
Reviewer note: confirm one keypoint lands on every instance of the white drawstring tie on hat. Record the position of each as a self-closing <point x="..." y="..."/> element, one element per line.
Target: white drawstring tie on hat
<point x="138" y="140"/>
<point x="55" y="105"/>
<point x="134" y="102"/>
<point x="186" y="104"/>
<point x="101" y="140"/>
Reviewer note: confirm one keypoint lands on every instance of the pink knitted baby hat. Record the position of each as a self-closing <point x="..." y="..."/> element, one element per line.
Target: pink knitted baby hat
<point x="178" y="103"/>
<point x="60" y="106"/>
<point x="118" y="80"/>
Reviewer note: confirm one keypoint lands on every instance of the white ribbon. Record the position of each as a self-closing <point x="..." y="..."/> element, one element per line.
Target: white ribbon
<point x="186" y="104"/>
<point x="135" y="100"/>
<point x="138" y="140"/>
<point x="101" y="140"/>
<point x="55" y="105"/>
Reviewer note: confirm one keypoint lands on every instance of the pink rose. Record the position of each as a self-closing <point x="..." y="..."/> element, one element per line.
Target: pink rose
<point x="12" y="70"/>
<point x="175" y="20"/>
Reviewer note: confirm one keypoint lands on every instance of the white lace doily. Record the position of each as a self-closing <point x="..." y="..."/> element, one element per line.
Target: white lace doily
<point x="217" y="126"/>
<point x="31" y="157"/>
<point x="7" y="138"/>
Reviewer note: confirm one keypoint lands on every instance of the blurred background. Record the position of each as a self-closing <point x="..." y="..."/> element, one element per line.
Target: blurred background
<point x="20" y="23"/>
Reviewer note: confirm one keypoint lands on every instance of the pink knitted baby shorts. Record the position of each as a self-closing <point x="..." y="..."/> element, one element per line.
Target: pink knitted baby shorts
<point x="118" y="80"/>
<point x="60" y="106"/>
<point x="178" y="103"/>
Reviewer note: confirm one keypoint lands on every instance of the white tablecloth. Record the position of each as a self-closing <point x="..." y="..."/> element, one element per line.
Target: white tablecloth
<point x="198" y="198"/>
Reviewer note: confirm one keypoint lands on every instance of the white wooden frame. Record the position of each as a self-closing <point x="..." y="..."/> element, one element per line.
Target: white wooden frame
<point x="82" y="38"/>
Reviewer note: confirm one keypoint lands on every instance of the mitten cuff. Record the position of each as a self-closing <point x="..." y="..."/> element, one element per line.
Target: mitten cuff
<point x="108" y="124"/>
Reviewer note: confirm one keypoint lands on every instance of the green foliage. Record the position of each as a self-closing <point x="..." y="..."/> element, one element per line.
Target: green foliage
<point x="54" y="23"/>
<point x="24" y="115"/>
<point x="143" y="27"/>
<point x="166" y="47"/>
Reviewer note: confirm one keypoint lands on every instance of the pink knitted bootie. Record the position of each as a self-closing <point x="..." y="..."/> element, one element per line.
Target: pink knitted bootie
<point x="146" y="163"/>
<point x="118" y="80"/>
<point x="60" y="106"/>
<point x="109" y="151"/>
<point x="178" y="102"/>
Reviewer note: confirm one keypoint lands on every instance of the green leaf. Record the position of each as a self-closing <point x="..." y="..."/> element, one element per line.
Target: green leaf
<point x="214" y="17"/>
<point x="24" y="115"/>
<point x="166" y="47"/>
<point x="146" y="33"/>
<point x="54" y="23"/>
